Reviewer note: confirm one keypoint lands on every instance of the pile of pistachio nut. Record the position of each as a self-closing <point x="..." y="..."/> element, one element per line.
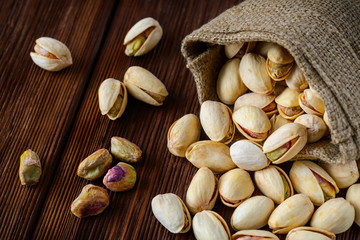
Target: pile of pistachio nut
<point x="277" y="114"/>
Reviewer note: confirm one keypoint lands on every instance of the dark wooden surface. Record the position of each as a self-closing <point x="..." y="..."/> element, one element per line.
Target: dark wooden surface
<point x="57" y="115"/>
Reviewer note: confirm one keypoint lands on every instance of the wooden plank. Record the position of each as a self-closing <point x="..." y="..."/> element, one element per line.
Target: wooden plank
<point x="37" y="107"/>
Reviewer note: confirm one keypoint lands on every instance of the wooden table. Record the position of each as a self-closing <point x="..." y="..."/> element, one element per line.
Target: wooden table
<point x="57" y="114"/>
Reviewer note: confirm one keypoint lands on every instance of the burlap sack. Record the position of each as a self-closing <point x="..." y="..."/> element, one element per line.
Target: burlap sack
<point x="323" y="37"/>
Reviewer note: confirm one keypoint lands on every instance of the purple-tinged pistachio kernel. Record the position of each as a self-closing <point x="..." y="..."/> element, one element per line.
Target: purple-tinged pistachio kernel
<point x="121" y="177"/>
<point x="30" y="168"/>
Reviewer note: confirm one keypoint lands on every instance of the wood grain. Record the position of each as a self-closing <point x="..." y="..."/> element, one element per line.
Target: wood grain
<point x="57" y="115"/>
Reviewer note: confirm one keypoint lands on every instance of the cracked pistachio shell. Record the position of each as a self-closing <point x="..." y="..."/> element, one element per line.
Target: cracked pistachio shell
<point x="310" y="179"/>
<point x="208" y="225"/>
<point x="296" y="79"/>
<point x="344" y="175"/>
<point x="277" y="121"/>
<point x="274" y="183"/>
<point x="144" y="86"/>
<point x="235" y="186"/>
<point x="279" y="62"/>
<point x="248" y="155"/>
<point x="253" y="213"/>
<point x="147" y="32"/>
<point x="311" y="102"/>
<point x="288" y="104"/>
<point x="95" y="165"/>
<point x="125" y="150"/>
<point x="315" y="126"/>
<point x="203" y="191"/>
<point x="214" y="155"/>
<point x="254" y="234"/>
<point x="121" y="177"/>
<point x="182" y="133"/>
<point x="289" y="140"/>
<point x="229" y="85"/>
<point x="326" y="119"/>
<point x="336" y="215"/>
<point x="51" y="54"/>
<point x="92" y="201"/>
<point x="252" y="122"/>
<point x="171" y="212"/>
<point x="30" y="168"/>
<point x="253" y="74"/>
<point x="216" y="120"/>
<point x="264" y="102"/>
<point x="112" y="98"/>
<point x="309" y="233"/>
<point x="263" y="48"/>
<point x="353" y="196"/>
<point x="294" y="212"/>
<point x="239" y="49"/>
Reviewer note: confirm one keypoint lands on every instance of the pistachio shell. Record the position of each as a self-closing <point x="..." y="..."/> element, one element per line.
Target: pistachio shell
<point x="258" y="100"/>
<point x="288" y="99"/>
<point x="285" y="136"/>
<point x="171" y="212"/>
<point x="253" y="213"/>
<point x="353" y="196"/>
<point x="252" y="119"/>
<point x="214" y="155"/>
<point x="278" y="54"/>
<point x="208" y="225"/>
<point x="305" y="181"/>
<point x="229" y="85"/>
<point x="239" y="49"/>
<point x="277" y="121"/>
<point x="151" y="40"/>
<point x="296" y="79"/>
<point x="203" y="191"/>
<point x="344" y="175"/>
<point x="336" y="215"/>
<point x="294" y="212"/>
<point x="307" y="233"/>
<point x="235" y="186"/>
<point x="263" y="48"/>
<point x="253" y="74"/>
<point x="274" y="183"/>
<point x="315" y="126"/>
<point x="144" y="86"/>
<point x="311" y="103"/>
<point x="248" y="156"/>
<point x="260" y="234"/>
<point x="182" y="133"/>
<point x="279" y="62"/>
<point x="326" y="119"/>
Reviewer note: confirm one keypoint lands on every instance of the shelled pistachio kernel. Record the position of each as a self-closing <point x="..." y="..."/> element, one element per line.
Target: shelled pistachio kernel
<point x="30" y="168"/>
<point x="95" y="165"/>
<point x="121" y="177"/>
<point x="125" y="150"/>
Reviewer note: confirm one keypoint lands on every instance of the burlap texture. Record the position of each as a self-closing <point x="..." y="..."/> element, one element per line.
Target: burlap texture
<point x="323" y="37"/>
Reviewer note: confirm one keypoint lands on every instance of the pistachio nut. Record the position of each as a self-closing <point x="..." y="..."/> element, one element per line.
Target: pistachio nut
<point x="311" y="102"/>
<point x="214" y="155"/>
<point x="253" y="213"/>
<point x="294" y="212"/>
<point x="121" y="177"/>
<point x="264" y="102"/>
<point x="235" y="186"/>
<point x="274" y="183"/>
<point x="263" y="48"/>
<point x="182" y="133"/>
<point x="336" y="215"/>
<point x="229" y="85"/>
<point x="315" y="126"/>
<point x="279" y="62"/>
<point x="248" y="155"/>
<point x="125" y="150"/>
<point x="353" y="196"/>
<point x="344" y="175"/>
<point x="144" y="86"/>
<point x="208" y="225"/>
<point x="288" y="104"/>
<point x="307" y="233"/>
<point x="277" y="121"/>
<point x="95" y="165"/>
<point x="51" y="54"/>
<point x="30" y="168"/>
<point x="112" y="98"/>
<point x="171" y="212"/>
<point x="92" y="201"/>
<point x="142" y="37"/>
<point x="253" y="74"/>
<point x="254" y="235"/>
<point x="287" y="141"/>
<point x="252" y="122"/>
<point x="203" y="191"/>
<point x="239" y="49"/>
<point x="216" y="120"/>
<point x="296" y="79"/>
<point x="326" y="119"/>
<point x="310" y="179"/>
